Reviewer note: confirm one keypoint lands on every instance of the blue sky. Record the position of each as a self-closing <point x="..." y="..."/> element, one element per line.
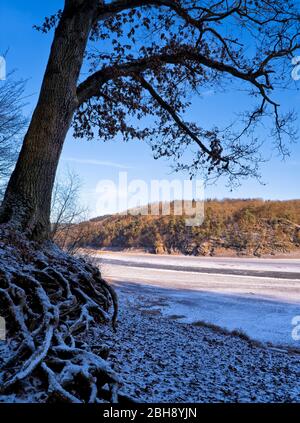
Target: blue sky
<point x="96" y="160"/>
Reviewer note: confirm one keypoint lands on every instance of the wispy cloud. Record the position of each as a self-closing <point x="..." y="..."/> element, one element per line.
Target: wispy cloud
<point x="96" y="162"/>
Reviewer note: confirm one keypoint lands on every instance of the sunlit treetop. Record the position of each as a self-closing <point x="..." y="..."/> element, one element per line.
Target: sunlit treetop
<point x="147" y="60"/>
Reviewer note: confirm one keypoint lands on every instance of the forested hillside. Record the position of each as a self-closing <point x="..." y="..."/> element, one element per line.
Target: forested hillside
<point x="252" y="227"/>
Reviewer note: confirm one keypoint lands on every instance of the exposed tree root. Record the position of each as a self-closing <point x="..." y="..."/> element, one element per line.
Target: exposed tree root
<point x="52" y="304"/>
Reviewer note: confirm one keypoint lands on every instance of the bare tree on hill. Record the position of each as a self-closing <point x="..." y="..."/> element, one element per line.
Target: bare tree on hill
<point x="69" y="218"/>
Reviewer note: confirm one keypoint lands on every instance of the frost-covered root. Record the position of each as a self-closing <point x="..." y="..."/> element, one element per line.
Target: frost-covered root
<point x="52" y="304"/>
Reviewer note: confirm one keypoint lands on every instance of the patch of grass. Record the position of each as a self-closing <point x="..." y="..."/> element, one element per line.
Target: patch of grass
<point x="293" y="350"/>
<point x="176" y="316"/>
<point x="237" y="333"/>
<point x="151" y="312"/>
<point x="215" y="328"/>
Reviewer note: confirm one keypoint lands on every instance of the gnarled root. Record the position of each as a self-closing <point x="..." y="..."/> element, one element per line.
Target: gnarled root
<point x="52" y="304"/>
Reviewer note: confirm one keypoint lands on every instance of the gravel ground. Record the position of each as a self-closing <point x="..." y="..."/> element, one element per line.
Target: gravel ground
<point x="163" y="360"/>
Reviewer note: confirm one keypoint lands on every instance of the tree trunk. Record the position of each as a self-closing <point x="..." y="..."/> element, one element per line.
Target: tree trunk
<point x="27" y="200"/>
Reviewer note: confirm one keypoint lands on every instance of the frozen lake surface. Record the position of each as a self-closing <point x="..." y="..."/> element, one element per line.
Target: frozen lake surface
<point x="258" y="296"/>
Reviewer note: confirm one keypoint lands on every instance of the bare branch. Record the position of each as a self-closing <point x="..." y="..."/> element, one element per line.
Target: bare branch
<point x="91" y="86"/>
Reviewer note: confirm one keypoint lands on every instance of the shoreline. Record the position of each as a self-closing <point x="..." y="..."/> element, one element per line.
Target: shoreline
<point x="162" y="360"/>
<point x="294" y="255"/>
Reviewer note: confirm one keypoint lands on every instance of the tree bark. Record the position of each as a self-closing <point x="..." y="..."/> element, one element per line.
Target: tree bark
<point x="27" y="200"/>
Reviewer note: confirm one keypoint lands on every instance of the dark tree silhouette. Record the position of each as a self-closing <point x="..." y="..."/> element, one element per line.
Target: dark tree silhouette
<point x="145" y="59"/>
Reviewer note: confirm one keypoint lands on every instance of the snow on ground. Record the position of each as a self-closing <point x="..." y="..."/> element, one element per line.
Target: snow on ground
<point x="161" y="360"/>
<point x="263" y="307"/>
<point x="265" y="264"/>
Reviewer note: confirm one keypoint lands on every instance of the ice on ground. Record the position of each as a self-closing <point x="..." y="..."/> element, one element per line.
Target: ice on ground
<point x="243" y="263"/>
<point x="263" y="307"/>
